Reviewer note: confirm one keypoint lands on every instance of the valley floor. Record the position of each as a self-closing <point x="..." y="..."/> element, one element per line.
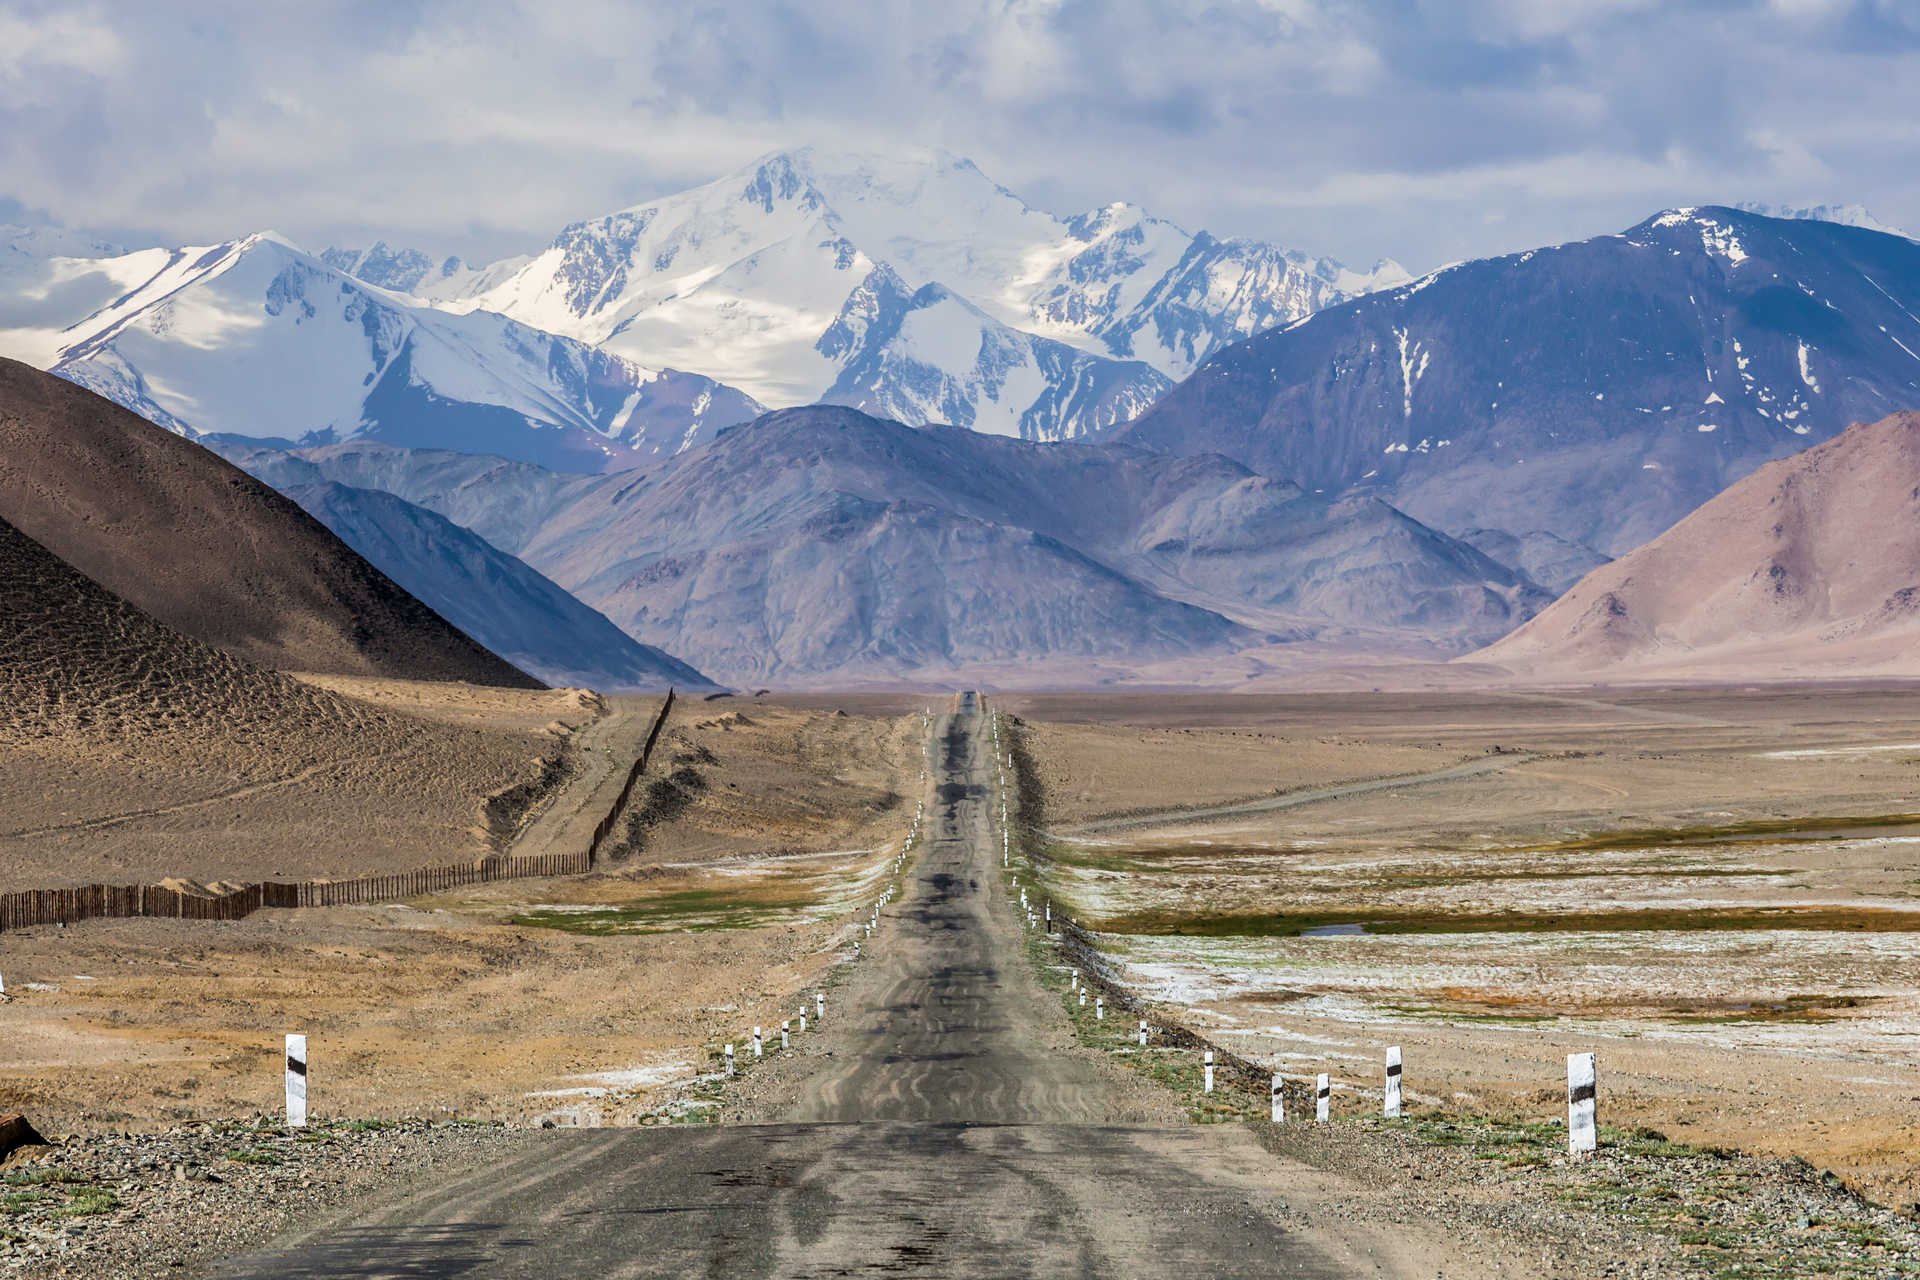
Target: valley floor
<point x="1288" y="875"/>
<point x="516" y="1000"/>
<point x="1715" y="889"/>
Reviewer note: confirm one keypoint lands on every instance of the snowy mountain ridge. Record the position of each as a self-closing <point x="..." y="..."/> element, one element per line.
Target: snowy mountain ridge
<point x="254" y="338"/>
<point x="1846" y="215"/>
<point x="912" y="286"/>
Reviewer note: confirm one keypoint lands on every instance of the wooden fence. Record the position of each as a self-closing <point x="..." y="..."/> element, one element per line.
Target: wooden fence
<point x="102" y="901"/>
<point x="30" y="907"/>
<point x="605" y="829"/>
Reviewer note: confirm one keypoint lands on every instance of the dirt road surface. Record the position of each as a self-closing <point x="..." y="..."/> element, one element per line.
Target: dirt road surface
<point x="942" y="1122"/>
<point x="604" y="752"/>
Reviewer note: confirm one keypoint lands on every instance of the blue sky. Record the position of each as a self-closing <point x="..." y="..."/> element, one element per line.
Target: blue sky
<point x="1415" y="129"/>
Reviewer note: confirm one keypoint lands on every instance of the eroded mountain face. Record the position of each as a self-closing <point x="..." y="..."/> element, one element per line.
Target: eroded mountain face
<point x="822" y="544"/>
<point x="1595" y="391"/>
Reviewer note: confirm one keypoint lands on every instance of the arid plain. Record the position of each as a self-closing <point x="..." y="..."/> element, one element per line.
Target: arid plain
<point x="737" y="873"/>
<point x="1713" y="888"/>
<point x="1717" y="889"/>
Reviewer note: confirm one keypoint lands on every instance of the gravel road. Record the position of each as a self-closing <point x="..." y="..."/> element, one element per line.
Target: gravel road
<point x="948" y="1128"/>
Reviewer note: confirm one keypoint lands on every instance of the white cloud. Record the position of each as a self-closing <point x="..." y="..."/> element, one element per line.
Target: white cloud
<point x="1356" y="128"/>
<point x="68" y="40"/>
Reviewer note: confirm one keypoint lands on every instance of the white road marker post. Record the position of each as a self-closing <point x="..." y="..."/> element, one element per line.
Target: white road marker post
<point x="1099" y="1008"/>
<point x="1207" y="1087"/>
<point x="1083" y="997"/>
<point x="296" y="1082"/>
<point x="1143" y="1033"/>
<point x="819" y="1006"/>
<point x="729" y="1061"/>
<point x="1074" y="985"/>
<point x="1390" y="1102"/>
<point x="1323" y="1099"/>
<point x="1583" y="1087"/>
<point x="1279" y="1100"/>
<point x="757" y="1048"/>
<point x="803" y="1021"/>
<point x="786" y="1041"/>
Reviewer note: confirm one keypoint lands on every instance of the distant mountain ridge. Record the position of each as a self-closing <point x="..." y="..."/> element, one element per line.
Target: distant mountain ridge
<point x="257" y="339"/>
<point x="821" y="545"/>
<point x="492" y="596"/>
<point x="1809" y="566"/>
<point x="205" y="549"/>
<point x="1847" y="215"/>
<point x="1596" y="391"/>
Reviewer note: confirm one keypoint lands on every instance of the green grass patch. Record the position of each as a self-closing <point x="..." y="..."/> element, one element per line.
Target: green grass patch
<point x="685" y="911"/>
<point x="1292" y="924"/>
<point x="1765" y="830"/>
<point x="264" y="1158"/>
<point x="88" y="1201"/>
<point x="40" y="1176"/>
<point x="22" y="1201"/>
<point x="1804" y="1008"/>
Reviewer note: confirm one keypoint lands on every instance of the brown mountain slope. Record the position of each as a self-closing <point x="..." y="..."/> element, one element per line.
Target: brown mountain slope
<point x="82" y="664"/>
<point x="1810" y="566"/>
<point x="130" y="752"/>
<point x="205" y="548"/>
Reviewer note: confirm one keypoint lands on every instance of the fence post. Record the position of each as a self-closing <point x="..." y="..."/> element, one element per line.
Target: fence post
<point x="296" y="1082"/>
<point x="1390" y="1104"/>
<point x="1323" y="1099"/>
<point x="1583" y="1136"/>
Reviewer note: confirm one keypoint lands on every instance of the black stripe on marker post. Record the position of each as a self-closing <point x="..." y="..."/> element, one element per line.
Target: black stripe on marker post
<point x="1393" y="1069"/>
<point x="296" y="1066"/>
<point x="1584" y="1093"/>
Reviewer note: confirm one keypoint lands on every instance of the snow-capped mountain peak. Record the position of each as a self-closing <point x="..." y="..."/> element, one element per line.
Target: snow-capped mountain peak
<point x="1847" y="215"/>
<point x="912" y="285"/>
<point x="256" y="338"/>
<point x="762" y="276"/>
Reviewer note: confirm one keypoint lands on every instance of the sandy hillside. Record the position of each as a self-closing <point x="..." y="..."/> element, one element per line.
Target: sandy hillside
<point x="1810" y="566"/>
<point x="129" y="752"/>
<point x="205" y="548"/>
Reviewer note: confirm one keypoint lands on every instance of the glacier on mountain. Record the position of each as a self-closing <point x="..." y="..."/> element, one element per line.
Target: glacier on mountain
<point x="254" y="338"/>
<point x="909" y="286"/>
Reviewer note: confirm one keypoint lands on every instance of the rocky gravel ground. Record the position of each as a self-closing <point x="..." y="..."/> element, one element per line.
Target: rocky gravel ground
<point x="110" y="1205"/>
<point x="1646" y="1206"/>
